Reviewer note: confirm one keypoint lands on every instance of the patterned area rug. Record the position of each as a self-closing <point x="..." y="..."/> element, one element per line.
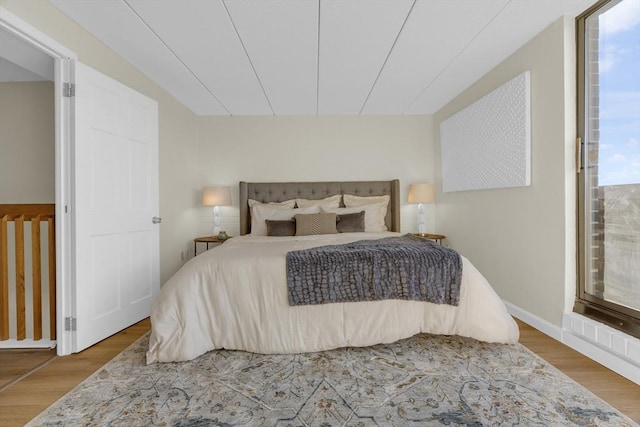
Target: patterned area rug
<point x="423" y="380"/>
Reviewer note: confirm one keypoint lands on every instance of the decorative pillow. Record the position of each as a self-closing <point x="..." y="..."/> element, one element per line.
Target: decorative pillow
<point x="353" y="201"/>
<point x="320" y="223"/>
<point x="327" y="202"/>
<point x="263" y="212"/>
<point x="350" y="223"/>
<point x="373" y="222"/>
<point x="281" y="228"/>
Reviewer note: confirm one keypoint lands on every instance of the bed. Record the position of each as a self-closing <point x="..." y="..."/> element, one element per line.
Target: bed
<point x="235" y="296"/>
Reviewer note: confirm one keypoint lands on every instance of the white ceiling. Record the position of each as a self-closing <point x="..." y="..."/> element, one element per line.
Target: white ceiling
<point x="21" y="62"/>
<point x="307" y="57"/>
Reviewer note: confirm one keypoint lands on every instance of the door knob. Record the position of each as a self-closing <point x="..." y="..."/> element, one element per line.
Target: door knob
<point x="156" y="220"/>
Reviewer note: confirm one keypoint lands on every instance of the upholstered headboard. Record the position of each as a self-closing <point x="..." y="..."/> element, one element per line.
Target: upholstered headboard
<point x="265" y="192"/>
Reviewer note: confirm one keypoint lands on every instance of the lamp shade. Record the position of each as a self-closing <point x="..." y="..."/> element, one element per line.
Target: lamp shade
<point x="421" y="193"/>
<point x="216" y="196"/>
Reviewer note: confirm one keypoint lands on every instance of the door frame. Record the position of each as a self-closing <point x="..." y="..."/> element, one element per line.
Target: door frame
<point x="64" y="61"/>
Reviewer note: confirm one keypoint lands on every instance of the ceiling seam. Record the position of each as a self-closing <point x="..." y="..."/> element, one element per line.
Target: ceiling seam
<point x="454" y="58"/>
<point x="318" y="64"/>
<point x="126" y="2"/>
<point x="244" y="48"/>
<point x="375" y="82"/>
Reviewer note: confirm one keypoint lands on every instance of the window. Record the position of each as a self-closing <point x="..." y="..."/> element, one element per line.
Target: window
<point x="609" y="174"/>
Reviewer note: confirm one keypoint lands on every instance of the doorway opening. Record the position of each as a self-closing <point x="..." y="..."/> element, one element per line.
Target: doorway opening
<point x="27" y="195"/>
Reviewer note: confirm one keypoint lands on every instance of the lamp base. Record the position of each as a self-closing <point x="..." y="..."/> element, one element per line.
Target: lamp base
<point x="216" y="220"/>
<point x="422" y="216"/>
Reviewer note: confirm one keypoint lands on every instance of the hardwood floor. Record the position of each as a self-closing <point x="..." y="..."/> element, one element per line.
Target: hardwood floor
<point x="614" y="389"/>
<point x="26" y="398"/>
<point x="19" y="363"/>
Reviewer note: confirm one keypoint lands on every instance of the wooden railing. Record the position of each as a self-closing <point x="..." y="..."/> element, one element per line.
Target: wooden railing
<point x="19" y="214"/>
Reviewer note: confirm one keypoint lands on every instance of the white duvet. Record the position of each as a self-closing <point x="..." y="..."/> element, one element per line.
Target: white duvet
<point x="235" y="297"/>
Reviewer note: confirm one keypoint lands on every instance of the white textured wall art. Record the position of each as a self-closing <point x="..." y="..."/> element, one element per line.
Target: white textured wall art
<point x="488" y="144"/>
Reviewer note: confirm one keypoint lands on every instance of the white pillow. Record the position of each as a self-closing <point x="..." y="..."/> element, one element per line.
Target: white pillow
<point x="373" y="222"/>
<point x="289" y="204"/>
<point x="353" y="201"/>
<point x="327" y="202"/>
<point x="262" y="212"/>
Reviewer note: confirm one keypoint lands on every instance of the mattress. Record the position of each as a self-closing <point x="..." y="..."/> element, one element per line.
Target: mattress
<point x="235" y="297"/>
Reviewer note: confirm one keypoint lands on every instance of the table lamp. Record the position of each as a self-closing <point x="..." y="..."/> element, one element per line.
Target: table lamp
<point x="421" y="193"/>
<point x="216" y="197"/>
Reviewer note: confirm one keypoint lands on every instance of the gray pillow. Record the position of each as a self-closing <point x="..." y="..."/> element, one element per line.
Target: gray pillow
<point x="281" y="228"/>
<point x="350" y="223"/>
<point x="322" y="223"/>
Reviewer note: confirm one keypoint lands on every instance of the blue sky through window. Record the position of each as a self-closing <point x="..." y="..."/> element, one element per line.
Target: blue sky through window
<point x="619" y="62"/>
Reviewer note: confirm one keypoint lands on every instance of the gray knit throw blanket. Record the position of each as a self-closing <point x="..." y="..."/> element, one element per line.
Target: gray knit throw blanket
<point x="404" y="267"/>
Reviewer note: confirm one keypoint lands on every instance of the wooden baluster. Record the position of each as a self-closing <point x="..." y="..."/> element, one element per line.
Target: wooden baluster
<point x="4" y="279"/>
<point x="36" y="278"/>
<point x="20" y="294"/>
<point x="37" y="213"/>
<point x="52" y="278"/>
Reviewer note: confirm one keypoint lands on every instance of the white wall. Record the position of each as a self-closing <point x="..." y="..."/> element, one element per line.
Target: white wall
<point x="314" y="148"/>
<point x="523" y="239"/>
<point x="27" y="143"/>
<point x="178" y="125"/>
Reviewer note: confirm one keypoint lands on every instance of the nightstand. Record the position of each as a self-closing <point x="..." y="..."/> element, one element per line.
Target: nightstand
<point x="208" y="240"/>
<point x="437" y="237"/>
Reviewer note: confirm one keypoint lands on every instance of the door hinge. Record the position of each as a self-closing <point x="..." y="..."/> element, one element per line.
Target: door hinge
<point x="70" y="324"/>
<point x="68" y="90"/>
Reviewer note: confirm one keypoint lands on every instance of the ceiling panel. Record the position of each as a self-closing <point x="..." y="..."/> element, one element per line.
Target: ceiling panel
<point x="434" y="34"/>
<point x="116" y="25"/>
<point x="281" y="38"/>
<point x="307" y="57"/>
<point x="355" y="39"/>
<point x="201" y="34"/>
<point x="490" y="47"/>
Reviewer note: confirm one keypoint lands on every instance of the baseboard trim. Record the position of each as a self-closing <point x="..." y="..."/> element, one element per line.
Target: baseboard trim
<point x="579" y="342"/>
<point x="16" y="344"/>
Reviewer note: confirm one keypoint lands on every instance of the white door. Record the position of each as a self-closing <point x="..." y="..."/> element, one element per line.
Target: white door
<point x="115" y="153"/>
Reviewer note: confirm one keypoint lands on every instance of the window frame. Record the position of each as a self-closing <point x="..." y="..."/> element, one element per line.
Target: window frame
<point x="617" y="316"/>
